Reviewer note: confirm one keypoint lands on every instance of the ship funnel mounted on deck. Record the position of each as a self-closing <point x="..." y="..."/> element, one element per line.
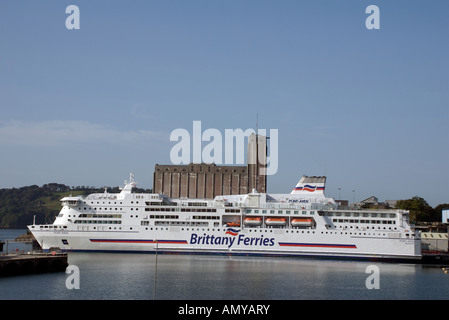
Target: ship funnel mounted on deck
<point x="308" y="185"/>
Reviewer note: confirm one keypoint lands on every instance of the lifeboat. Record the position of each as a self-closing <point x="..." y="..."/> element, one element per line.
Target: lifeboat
<point x="302" y="222"/>
<point x="253" y="222"/>
<point x="233" y="224"/>
<point x="275" y="221"/>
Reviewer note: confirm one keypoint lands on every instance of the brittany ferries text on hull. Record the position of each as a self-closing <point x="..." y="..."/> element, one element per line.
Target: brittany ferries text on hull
<point x="301" y="223"/>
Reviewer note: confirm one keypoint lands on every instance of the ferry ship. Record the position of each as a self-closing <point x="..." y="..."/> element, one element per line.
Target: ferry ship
<point x="302" y="223"/>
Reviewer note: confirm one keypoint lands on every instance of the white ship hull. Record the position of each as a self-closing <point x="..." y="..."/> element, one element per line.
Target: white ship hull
<point x="245" y="242"/>
<point x="150" y="223"/>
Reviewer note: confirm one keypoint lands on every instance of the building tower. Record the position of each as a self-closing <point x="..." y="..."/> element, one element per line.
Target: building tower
<point x="257" y="162"/>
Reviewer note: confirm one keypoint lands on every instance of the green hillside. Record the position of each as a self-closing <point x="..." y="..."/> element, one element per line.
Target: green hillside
<point x="19" y="206"/>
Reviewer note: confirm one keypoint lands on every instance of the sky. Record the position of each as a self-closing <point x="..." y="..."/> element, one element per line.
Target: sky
<point x="367" y="108"/>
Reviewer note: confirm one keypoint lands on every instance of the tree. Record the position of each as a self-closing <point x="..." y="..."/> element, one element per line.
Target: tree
<point x="439" y="208"/>
<point x="420" y="210"/>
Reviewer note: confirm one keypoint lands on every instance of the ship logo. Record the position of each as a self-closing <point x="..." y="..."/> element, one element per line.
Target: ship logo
<point x="232" y="232"/>
<point x="309" y="188"/>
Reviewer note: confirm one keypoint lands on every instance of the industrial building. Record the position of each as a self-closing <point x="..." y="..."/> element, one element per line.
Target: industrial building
<point x="205" y="181"/>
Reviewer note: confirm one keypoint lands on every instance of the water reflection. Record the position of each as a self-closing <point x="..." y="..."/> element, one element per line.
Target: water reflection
<point x="179" y="277"/>
<point x="217" y="277"/>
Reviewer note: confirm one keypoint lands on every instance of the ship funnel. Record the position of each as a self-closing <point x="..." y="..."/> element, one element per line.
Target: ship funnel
<point x="308" y="185"/>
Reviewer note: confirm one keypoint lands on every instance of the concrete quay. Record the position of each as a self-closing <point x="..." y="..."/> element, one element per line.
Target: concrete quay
<point x="436" y="258"/>
<point x="32" y="263"/>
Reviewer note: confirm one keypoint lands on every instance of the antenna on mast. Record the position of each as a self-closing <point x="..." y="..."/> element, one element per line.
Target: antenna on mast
<point x="257" y="124"/>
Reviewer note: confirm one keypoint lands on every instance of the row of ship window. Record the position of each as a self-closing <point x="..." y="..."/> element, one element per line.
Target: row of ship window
<point x="177" y="209"/>
<point x="164" y="209"/>
<point x="361" y="214"/>
<point x="263" y="211"/>
<point x="98" y="222"/>
<point x="99" y="215"/>
<point x="330" y="214"/>
<point x="177" y="223"/>
<point x="50" y="226"/>
<point x="183" y="223"/>
<point x="110" y="209"/>
<point x="161" y="216"/>
<point x="364" y="221"/>
<point x="287" y="231"/>
<point x="98" y="202"/>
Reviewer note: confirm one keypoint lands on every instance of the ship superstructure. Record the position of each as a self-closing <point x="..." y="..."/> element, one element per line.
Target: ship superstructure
<point x="302" y="223"/>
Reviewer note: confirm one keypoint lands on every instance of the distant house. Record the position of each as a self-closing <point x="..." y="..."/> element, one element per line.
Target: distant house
<point x="367" y="203"/>
<point x="342" y="203"/>
<point x="373" y="202"/>
<point x="391" y="203"/>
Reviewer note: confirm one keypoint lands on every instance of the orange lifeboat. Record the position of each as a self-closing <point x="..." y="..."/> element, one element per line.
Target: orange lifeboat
<point x="275" y="221"/>
<point x="302" y="222"/>
<point x="253" y="222"/>
<point x="233" y="224"/>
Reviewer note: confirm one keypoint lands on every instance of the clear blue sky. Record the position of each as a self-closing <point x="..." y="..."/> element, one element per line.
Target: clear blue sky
<point x="367" y="108"/>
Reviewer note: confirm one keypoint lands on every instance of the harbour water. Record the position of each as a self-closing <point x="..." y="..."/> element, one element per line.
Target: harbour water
<point x="105" y="276"/>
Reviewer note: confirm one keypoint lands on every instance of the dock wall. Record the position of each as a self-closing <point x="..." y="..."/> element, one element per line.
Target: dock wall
<point x="14" y="265"/>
